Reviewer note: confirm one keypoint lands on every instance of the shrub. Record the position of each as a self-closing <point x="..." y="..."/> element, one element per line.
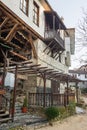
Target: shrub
<point x="71" y="108"/>
<point x="17" y="128"/>
<point x="62" y="112"/>
<point x="52" y="113"/>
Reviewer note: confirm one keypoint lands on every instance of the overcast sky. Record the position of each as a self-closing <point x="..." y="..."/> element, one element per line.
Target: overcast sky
<point x="71" y="11"/>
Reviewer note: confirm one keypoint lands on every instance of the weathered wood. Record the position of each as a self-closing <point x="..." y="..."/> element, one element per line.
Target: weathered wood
<point x="48" y="46"/>
<point x="11" y="33"/>
<point x="5" y="30"/>
<point x="20" y="56"/>
<point x="14" y="45"/>
<point x="14" y="93"/>
<point x="6" y="19"/>
<point x="32" y="45"/>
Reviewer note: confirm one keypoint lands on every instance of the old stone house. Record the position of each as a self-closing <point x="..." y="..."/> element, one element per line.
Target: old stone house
<point x="52" y="43"/>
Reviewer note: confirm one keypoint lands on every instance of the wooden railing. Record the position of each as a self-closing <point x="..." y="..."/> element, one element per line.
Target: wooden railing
<point x="50" y="99"/>
<point x="53" y="34"/>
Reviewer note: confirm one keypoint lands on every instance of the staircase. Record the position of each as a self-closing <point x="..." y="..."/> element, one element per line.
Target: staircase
<point x="4" y="109"/>
<point x="4" y="117"/>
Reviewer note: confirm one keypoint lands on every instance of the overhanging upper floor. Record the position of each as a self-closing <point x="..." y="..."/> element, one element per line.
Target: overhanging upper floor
<point x="54" y="30"/>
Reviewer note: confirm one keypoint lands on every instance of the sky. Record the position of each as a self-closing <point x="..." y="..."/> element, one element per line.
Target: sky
<point x="71" y="11"/>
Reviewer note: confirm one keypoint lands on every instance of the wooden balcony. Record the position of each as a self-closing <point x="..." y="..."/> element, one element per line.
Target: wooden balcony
<point x="53" y="35"/>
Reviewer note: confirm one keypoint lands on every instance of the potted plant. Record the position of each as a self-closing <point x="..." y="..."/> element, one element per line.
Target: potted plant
<point x="24" y="107"/>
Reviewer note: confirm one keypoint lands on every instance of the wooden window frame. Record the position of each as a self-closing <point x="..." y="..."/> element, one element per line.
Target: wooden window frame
<point x="24" y="8"/>
<point x="35" y="13"/>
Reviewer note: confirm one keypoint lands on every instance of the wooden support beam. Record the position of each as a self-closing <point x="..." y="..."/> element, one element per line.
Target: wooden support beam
<point x="53" y="46"/>
<point x="11" y="33"/>
<point x="32" y="45"/>
<point x="4" y="69"/>
<point x="41" y="68"/>
<point x="14" y="93"/>
<point x="47" y="46"/>
<point x="55" y="55"/>
<point x="59" y="55"/>
<point x="19" y="40"/>
<point x="5" y="30"/>
<point x="45" y="70"/>
<point x="20" y="56"/>
<point x="32" y="66"/>
<point x="14" y="45"/>
<point x="6" y="19"/>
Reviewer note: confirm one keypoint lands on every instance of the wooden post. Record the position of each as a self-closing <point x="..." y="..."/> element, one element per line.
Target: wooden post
<point x="44" y="90"/>
<point x="4" y="73"/>
<point x="4" y="70"/>
<point x="67" y="92"/>
<point x="77" y="96"/>
<point x="14" y="94"/>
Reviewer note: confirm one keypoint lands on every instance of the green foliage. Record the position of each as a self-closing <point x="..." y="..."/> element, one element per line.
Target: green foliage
<point x="25" y="103"/>
<point x="71" y="108"/>
<point x="52" y="113"/>
<point x="62" y="112"/>
<point x="17" y="128"/>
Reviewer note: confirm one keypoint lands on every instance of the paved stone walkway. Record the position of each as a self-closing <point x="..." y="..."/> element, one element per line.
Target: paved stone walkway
<point x="22" y="120"/>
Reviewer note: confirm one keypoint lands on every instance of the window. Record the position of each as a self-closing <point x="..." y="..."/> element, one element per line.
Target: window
<point x="36" y="14"/>
<point x="24" y="6"/>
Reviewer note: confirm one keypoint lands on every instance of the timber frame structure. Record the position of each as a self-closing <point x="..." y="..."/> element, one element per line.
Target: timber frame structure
<point x="16" y="48"/>
<point x="14" y="33"/>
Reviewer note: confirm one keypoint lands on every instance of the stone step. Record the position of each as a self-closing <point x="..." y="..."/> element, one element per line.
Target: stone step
<point x="4" y="120"/>
<point x="2" y="111"/>
<point x="4" y="115"/>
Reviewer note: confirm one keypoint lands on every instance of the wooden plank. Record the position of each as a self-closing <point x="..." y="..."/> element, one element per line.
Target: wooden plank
<point x="20" y="56"/>
<point x="14" y="45"/>
<point x="47" y="46"/>
<point x="32" y="45"/>
<point x="6" y="19"/>
<point x="5" y="30"/>
<point x="11" y="33"/>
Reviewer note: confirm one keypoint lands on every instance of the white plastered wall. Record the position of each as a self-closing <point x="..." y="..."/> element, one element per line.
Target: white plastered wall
<point x="47" y="61"/>
<point x="14" y="5"/>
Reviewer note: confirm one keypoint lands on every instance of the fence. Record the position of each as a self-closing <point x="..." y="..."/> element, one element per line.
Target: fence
<point x="50" y="99"/>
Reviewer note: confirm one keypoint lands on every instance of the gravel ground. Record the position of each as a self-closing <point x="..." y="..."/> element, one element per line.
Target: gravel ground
<point x="77" y="122"/>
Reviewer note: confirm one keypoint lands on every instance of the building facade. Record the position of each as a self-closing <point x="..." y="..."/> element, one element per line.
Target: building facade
<point x="51" y="43"/>
<point x="80" y="73"/>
